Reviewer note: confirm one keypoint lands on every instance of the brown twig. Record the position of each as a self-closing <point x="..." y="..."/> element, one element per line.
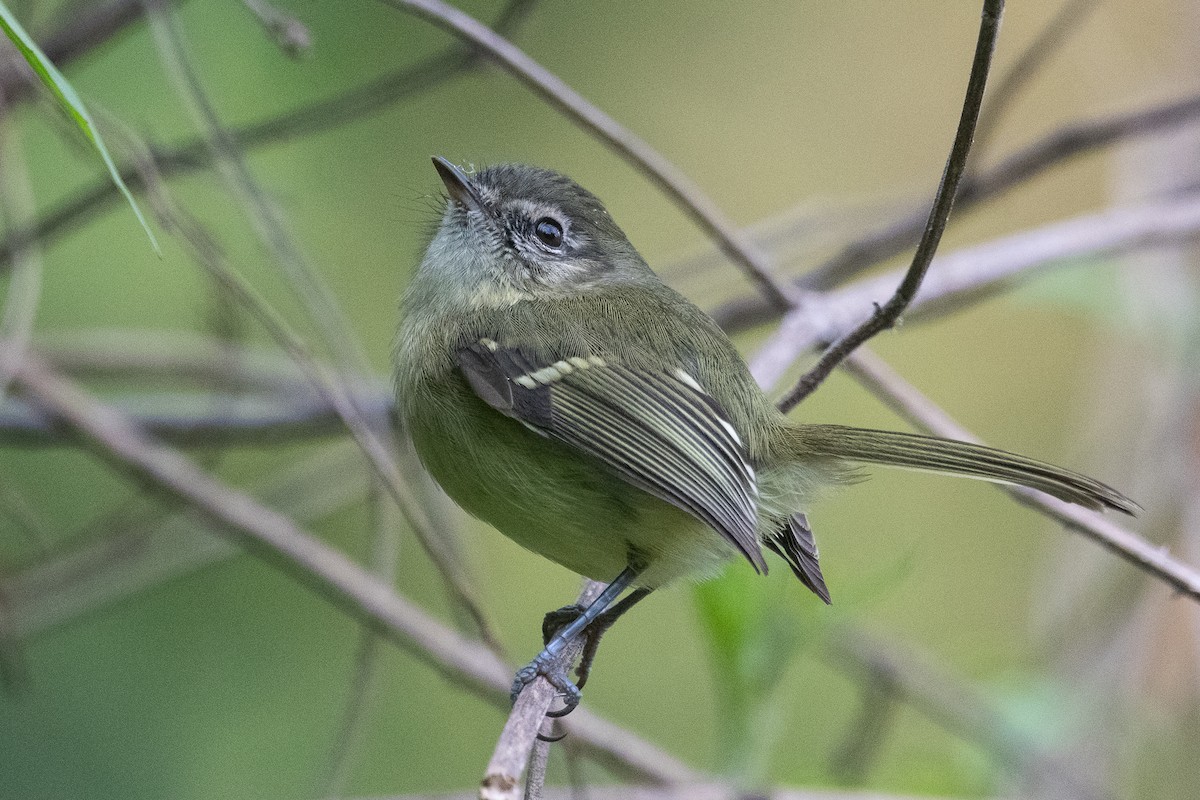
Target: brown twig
<point x="887" y="315"/>
<point x="670" y="179"/>
<point x="502" y="779"/>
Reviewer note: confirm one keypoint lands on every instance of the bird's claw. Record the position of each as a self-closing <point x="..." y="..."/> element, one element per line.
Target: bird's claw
<point x="555" y="675"/>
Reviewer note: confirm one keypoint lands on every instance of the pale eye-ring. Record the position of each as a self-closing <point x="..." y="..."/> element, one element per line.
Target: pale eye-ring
<point x="549" y="232"/>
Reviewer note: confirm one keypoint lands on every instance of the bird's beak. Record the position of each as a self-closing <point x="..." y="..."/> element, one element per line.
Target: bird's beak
<point x="458" y="185"/>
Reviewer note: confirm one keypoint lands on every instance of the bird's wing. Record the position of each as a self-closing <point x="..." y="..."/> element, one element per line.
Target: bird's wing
<point x="658" y="430"/>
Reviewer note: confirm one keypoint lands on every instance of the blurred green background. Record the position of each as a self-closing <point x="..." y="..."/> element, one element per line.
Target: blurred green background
<point x="232" y="681"/>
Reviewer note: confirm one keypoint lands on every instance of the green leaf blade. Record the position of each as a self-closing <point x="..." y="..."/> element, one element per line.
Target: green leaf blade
<point x="70" y="102"/>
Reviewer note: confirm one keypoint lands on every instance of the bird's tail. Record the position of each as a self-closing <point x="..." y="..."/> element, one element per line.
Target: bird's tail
<point x="931" y="454"/>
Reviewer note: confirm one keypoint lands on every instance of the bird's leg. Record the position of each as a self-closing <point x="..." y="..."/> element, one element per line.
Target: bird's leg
<point x="592" y="633"/>
<point x="591" y="641"/>
<point x="598" y="628"/>
<point x="543" y="664"/>
<point x="555" y="620"/>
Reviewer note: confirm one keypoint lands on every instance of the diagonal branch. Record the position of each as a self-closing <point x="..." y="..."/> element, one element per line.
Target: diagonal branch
<point x="910" y="403"/>
<point x="1067" y="20"/>
<point x="887" y="315"/>
<point x="272" y="536"/>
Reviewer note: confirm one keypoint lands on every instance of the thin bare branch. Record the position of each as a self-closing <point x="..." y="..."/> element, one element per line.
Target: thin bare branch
<point x="178" y="359"/>
<point x="1156" y="561"/>
<point x="205" y="419"/>
<point x="87" y="577"/>
<point x="502" y="780"/>
<point x="887" y="315"/>
<point x="959" y="279"/>
<point x="1055" y="148"/>
<point x="364" y="682"/>
<point x="535" y="784"/>
<point x="265" y="217"/>
<point x="281" y="543"/>
<point x="664" y="174"/>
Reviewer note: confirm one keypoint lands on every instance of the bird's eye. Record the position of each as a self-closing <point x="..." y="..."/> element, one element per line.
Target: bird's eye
<point x="549" y="232"/>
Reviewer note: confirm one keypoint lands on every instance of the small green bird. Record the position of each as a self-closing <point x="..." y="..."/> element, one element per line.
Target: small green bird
<point x="557" y="389"/>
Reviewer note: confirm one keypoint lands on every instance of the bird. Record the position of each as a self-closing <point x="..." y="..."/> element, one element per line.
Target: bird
<point x="555" y="387"/>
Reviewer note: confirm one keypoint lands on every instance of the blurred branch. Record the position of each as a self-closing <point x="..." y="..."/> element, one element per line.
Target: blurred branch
<point x="887" y="242"/>
<point x="665" y="175"/>
<point x="958" y="707"/>
<point x="688" y="791"/>
<point x="82" y="32"/>
<point x="966" y="276"/>
<point x="274" y="537"/>
<point x="175" y="358"/>
<point x="25" y="279"/>
<point x="880" y="699"/>
<point x="208" y="419"/>
<point x="307" y="120"/>
<point x="288" y="33"/>
<point x="85" y="577"/>
<point x="888" y="314"/>
<point x="1060" y="145"/>
<point x="266" y="220"/>
<point x="905" y="399"/>
<point x="364" y="683"/>
<point x="1067" y="20"/>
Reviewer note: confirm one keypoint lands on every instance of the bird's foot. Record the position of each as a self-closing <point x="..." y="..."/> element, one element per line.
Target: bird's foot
<point x="544" y="666"/>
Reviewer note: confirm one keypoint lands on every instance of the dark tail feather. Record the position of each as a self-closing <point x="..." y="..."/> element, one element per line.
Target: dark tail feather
<point x="932" y="454"/>
<point x="795" y="543"/>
